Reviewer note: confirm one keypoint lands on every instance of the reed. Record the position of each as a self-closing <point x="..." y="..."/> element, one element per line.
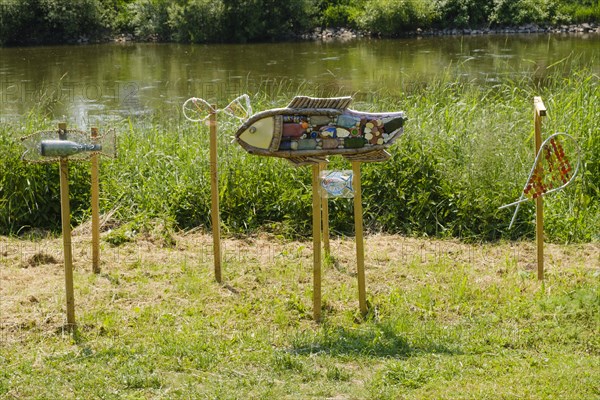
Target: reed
<point x="467" y="150"/>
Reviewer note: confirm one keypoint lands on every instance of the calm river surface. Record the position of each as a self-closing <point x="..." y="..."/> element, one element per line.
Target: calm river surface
<point x="90" y="83"/>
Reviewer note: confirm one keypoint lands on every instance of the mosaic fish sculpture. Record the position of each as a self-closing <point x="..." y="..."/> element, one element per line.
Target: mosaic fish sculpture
<point x="310" y="129"/>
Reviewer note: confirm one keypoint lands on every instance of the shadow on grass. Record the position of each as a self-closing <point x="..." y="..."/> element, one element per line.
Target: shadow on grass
<point x="372" y="340"/>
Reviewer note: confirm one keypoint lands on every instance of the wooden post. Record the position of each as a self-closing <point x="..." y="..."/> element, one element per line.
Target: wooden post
<point x="324" y="215"/>
<point x="66" y="231"/>
<point x="214" y="189"/>
<point x="358" y="227"/>
<point x="539" y="112"/>
<point x="95" y="209"/>
<point x="316" y="243"/>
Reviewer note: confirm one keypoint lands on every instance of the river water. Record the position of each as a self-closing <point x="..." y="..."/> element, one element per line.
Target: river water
<point x="89" y="84"/>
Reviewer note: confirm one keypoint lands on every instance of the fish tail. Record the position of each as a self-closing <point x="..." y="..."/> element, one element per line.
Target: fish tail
<point x="106" y="144"/>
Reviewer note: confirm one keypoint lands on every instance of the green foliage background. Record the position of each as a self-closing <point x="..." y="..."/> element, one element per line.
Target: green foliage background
<point x="466" y="151"/>
<point x="196" y="21"/>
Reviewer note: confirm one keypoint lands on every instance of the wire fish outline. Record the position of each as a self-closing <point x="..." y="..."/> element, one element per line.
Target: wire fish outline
<point x="199" y="105"/>
<point x="524" y="197"/>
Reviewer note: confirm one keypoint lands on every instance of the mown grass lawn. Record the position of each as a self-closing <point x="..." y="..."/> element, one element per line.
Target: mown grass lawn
<point x="447" y="320"/>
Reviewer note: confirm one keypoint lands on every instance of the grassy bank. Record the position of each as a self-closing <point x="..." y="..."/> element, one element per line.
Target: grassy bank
<point x="198" y="21"/>
<point x="447" y="321"/>
<point x="467" y="150"/>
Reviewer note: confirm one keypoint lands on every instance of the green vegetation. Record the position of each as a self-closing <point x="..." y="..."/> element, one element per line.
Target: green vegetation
<point x="34" y="21"/>
<point x="446" y="321"/>
<point x="580" y="10"/>
<point x="466" y="151"/>
<point x="196" y="21"/>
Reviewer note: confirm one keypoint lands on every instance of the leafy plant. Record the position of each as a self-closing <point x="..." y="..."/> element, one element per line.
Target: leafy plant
<point x="48" y="21"/>
<point x="392" y="17"/>
<point x="510" y="12"/>
<point x="150" y="18"/>
<point x="340" y="13"/>
<point x="462" y="13"/>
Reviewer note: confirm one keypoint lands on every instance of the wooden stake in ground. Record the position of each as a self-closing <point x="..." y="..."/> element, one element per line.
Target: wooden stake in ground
<point x="65" y="210"/>
<point x="214" y="189"/>
<point x="316" y="197"/>
<point x="358" y="227"/>
<point x="539" y="112"/>
<point x="95" y="183"/>
<point x="324" y="215"/>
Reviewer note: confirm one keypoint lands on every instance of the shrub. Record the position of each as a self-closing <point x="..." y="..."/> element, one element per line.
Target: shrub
<point x="516" y="12"/>
<point x="264" y="19"/>
<point x="340" y="13"/>
<point x="116" y="15"/>
<point x="196" y="21"/>
<point x="49" y="21"/>
<point x="462" y="13"/>
<point x="390" y="17"/>
<point x="150" y="18"/>
<point x="581" y="11"/>
<point x="15" y="18"/>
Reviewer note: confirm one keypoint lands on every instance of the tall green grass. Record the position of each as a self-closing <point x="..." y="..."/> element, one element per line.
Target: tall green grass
<point x="467" y="149"/>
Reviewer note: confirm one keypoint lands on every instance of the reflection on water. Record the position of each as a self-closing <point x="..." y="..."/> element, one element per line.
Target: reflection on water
<point x="99" y="82"/>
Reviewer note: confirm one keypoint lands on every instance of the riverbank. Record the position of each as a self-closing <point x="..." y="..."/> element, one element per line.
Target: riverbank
<point x="348" y="33"/>
<point x="326" y="34"/>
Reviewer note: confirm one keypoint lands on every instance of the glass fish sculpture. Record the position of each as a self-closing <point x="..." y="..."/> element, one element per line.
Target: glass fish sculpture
<point x="337" y="183"/>
<point x="48" y="146"/>
<point x="310" y="129"/>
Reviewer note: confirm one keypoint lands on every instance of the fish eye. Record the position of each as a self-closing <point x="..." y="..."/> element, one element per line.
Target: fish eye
<point x="252" y="129"/>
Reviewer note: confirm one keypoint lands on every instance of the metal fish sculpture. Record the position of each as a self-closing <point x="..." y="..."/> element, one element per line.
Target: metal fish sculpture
<point x="310" y="129"/>
<point x="47" y="146"/>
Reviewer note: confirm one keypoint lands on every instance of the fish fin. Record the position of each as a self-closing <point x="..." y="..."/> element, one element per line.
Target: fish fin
<point x="307" y="160"/>
<point x="338" y="103"/>
<point x="371" y="156"/>
<point x="108" y="142"/>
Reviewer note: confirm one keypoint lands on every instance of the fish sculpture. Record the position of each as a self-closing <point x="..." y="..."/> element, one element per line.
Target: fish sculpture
<point x="337" y="183"/>
<point x="48" y="146"/>
<point x="551" y="170"/>
<point x="310" y="129"/>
